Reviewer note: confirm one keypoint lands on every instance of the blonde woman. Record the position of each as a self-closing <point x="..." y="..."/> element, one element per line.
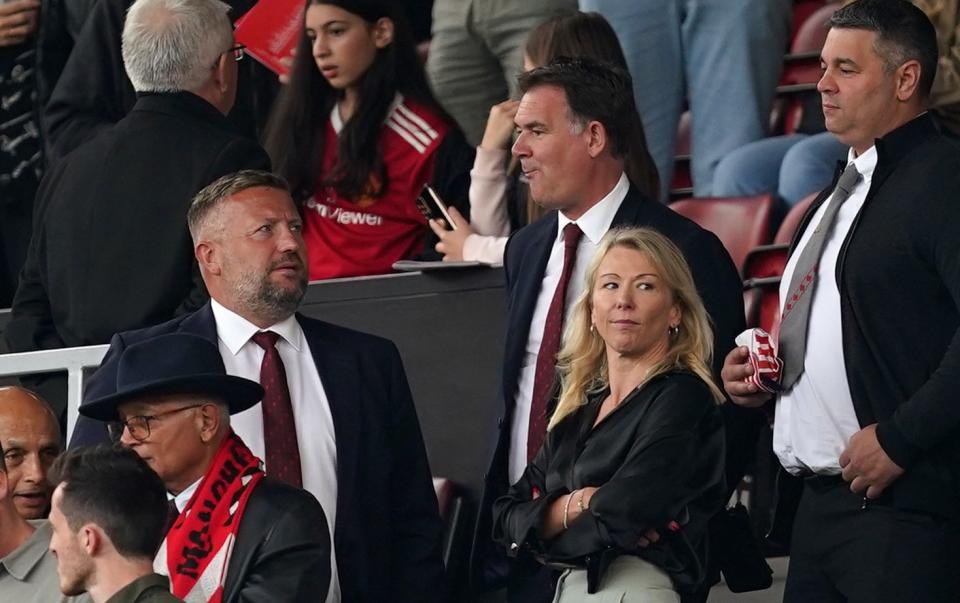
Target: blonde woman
<point x="635" y="447"/>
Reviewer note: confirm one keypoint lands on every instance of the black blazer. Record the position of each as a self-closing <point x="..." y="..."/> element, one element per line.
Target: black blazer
<point x="525" y="262"/>
<point x="282" y="551"/>
<point x="93" y="91"/>
<point x="387" y="536"/>
<point x="110" y="249"/>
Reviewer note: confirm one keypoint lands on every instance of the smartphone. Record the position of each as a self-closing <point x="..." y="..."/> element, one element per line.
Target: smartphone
<point x="433" y="208"/>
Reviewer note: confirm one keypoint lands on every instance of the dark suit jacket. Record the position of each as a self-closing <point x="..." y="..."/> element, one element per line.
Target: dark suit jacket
<point x="93" y="91"/>
<point x="388" y="532"/>
<point x="282" y="551"/>
<point x="110" y="249"/>
<point x="525" y="262"/>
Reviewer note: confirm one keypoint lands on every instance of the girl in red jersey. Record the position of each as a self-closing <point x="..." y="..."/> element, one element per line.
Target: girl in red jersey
<point x="357" y="133"/>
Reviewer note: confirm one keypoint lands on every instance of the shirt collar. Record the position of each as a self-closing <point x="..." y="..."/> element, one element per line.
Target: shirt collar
<point x="596" y="221"/>
<point x="235" y="331"/>
<point x="132" y="591"/>
<point x="866" y="163"/>
<point x="25" y="557"/>
<point x="337" y="122"/>
<point x="185" y="495"/>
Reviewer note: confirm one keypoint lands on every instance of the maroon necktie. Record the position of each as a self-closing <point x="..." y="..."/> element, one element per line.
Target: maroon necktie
<point x="547" y="357"/>
<point x="279" y="428"/>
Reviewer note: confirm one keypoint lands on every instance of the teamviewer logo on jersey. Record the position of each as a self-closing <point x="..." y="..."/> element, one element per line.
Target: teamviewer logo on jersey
<point x="344" y="216"/>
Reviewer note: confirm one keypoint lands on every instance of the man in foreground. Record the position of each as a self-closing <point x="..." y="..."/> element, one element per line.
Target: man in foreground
<point x="267" y="539"/>
<point x="108" y="515"/>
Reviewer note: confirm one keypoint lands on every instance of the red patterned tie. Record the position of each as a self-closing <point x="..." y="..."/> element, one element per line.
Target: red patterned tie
<point x="279" y="428"/>
<point x="550" y="345"/>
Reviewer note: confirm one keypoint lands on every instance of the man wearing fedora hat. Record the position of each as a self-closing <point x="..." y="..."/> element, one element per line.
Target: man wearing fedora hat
<point x="337" y="419"/>
<point x="237" y="534"/>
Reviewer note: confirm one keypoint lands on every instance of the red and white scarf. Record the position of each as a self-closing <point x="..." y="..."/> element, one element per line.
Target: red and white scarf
<point x="196" y="552"/>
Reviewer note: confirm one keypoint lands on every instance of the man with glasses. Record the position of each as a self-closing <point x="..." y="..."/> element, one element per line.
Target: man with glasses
<point x="337" y="417"/>
<point x="113" y="211"/>
<point x="267" y="539"/>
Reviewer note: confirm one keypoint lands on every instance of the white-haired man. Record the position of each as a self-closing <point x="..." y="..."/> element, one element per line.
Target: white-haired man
<point x="114" y="210"/>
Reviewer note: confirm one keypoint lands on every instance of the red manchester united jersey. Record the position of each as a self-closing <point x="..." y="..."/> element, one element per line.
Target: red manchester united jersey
<point x="367" y="235"/>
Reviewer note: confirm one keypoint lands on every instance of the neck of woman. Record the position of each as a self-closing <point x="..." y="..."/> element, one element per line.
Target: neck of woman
<point x="627" y="372"/>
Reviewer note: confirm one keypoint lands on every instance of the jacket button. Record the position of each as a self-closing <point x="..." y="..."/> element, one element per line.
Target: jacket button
<point x="500" y="422"/>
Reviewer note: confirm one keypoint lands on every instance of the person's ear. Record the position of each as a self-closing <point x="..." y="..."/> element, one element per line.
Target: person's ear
<point x="383" y="31"/>
<point x="208" y="420"/>
<point x="221" y="77"/>
<point x="208" y="257"/>
<point x="597" y="140"/>
<point x="908" y="80"/>
<point x="91" y="539"/>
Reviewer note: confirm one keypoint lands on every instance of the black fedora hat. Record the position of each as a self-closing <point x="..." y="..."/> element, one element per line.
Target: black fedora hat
<point x="178" y="363"/>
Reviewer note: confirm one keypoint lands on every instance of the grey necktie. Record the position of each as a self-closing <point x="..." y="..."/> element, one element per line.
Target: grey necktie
<point x="796" y="309"/>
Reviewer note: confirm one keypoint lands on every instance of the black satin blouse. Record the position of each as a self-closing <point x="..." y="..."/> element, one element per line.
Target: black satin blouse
<point x="655" y="459"/>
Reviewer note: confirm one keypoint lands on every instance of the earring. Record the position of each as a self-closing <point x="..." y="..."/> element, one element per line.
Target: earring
<point x="592" y="328"/>
<point x="674" y="330"/>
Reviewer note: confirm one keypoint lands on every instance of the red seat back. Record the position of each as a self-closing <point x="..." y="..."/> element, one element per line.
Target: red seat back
<point x="741" y="223"/>
<point x="792" y="221"/>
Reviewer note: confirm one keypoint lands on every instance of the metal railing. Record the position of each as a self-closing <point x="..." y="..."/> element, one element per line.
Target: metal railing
<point x="72" y="360"/>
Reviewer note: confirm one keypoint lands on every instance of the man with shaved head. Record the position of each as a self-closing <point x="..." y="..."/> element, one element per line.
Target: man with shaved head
<point x="30" y="436"/>
<point x="28" y="572"/>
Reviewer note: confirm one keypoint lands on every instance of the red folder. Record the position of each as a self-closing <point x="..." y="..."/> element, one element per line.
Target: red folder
<point x="270" y="31"/>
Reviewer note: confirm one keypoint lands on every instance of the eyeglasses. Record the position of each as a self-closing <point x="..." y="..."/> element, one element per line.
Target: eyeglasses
<point x="139" y="425"/>
<point x="238" y="52"/>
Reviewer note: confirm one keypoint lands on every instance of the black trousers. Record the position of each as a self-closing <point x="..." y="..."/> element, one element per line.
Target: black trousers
<point x="843" y="550"/>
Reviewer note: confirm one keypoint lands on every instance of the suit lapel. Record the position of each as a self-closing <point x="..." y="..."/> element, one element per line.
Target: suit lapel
<point x="340" y="377"/>
<point x="523" y="300"/>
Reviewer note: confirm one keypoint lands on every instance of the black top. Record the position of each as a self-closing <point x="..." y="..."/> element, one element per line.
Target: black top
<point x="899" y="280"/>
<point x="110" y="248"/>
<point x="657" y="457"/>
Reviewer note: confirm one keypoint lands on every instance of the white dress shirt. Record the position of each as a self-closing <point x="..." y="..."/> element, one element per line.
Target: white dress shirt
<point x="316" y="438"/>
<point x="594" y="223"/>
<point x="816" y="418"/>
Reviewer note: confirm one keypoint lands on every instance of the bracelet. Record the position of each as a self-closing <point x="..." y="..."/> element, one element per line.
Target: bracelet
<point x="580" y="502"/>
<point x="566" y="508"/>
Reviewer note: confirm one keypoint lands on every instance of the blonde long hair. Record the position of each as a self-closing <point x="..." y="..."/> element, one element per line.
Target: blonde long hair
<point x="582" y="361"/>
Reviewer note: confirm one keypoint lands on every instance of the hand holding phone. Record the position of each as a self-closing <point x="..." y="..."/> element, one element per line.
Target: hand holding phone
<point x="433" y="208"/>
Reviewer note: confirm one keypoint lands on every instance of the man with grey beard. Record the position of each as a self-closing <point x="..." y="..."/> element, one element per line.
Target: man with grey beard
<point x="337" y="418"/>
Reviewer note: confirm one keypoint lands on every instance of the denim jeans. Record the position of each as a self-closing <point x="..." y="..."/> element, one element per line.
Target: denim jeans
<point x="725" y="56"/>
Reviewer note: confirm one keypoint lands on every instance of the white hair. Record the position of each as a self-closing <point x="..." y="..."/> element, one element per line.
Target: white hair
<point x="172" y="45"/>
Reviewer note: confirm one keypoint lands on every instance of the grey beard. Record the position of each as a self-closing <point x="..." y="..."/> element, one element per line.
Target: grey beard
<point x="269" y="302"/>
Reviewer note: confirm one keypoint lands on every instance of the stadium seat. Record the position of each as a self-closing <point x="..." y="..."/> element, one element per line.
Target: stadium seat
<point x="762" y="271"/>
<point x="741" y="223"/>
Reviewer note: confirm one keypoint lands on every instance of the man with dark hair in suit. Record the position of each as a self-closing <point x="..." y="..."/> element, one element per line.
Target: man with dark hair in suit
<point x="337" y="419"/>
<point x="237" y="535"/>
<point x="108" y="516"/>
<point x="110" y="249"/>
<point x="574" y="121"/>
